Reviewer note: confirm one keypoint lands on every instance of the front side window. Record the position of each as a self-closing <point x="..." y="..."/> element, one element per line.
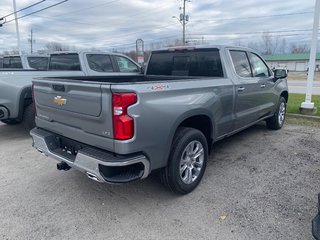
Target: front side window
<point x="1" y="62"/>
<point x="259" y="68"/>
<point x="241" y="63"/>
<point x="125" y="65"/>
<point x="40" y="63"/>
<point x="12" y="62"/>
<point x="100" y="62"/>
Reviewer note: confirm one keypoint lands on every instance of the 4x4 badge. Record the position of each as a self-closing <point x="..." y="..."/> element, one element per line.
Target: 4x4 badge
<point x="60" y="101"/>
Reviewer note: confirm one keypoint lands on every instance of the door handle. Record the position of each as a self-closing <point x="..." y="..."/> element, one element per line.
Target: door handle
<point x="262" y="85"/>
<point x="241" y="89"/>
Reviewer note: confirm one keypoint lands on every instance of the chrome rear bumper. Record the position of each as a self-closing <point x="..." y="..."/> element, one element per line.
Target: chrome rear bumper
<point x="99" y="165"/>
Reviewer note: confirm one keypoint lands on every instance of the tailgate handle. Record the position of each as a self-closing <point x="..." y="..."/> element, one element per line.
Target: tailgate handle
<point x="59" y="88"/>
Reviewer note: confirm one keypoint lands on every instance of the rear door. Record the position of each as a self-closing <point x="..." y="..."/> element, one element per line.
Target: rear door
<point x="247" y="103"/>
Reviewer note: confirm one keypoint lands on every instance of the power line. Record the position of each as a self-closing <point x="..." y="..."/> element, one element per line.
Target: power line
<point x="92" y="24"/>
<point x="253" y="17"/>
<point x="251" y="33"/>
<point x="87" y="8"/>
<point x="38" y="11"/>
<point x="23" y="9"/>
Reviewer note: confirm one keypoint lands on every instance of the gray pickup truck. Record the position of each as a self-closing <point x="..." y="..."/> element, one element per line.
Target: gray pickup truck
<point x="120" y="129"/>
<point x="15" y="85"/>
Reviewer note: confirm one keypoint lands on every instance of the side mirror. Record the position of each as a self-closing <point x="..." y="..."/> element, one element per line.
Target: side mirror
<point x="280" y="73"/>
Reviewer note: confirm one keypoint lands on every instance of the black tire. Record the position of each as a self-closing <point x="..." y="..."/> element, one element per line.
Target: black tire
<point x="28" y="120"/>
<point x="10" y="121"/>
<point x="171" y="176"/>
<point x="276" y="121"/>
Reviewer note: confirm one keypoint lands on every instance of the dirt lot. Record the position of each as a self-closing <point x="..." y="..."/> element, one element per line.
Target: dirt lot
<point x="264" y="182"/>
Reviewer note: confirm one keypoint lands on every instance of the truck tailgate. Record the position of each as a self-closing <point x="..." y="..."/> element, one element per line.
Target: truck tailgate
<point x="77" y="110"/>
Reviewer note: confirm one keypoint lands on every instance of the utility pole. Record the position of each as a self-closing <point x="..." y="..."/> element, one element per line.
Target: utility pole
<point x="184" y="19"/>
<point x="184" y="23"/>
<point x="307" y="106"/>
<point x="17" y="26"/>
<point x="31" y="41"/>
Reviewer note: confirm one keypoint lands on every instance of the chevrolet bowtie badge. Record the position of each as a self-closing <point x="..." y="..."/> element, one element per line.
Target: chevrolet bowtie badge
<point x="60" y="101"/>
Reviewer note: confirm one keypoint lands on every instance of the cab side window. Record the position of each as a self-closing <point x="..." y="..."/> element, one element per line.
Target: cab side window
<point x="125" y="65"/>
<point x="100" y="62"/>
<point x="241" y="63"/>
<point x="259" y="68"/>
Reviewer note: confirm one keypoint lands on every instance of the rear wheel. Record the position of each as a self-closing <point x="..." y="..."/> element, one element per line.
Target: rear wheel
<point x="187" y="161"/>
<point x="28" y="120"/>
<point x="277" y="120"/>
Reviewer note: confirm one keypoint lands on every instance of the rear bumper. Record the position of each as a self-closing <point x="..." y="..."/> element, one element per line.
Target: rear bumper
<point x="99" y="165"/>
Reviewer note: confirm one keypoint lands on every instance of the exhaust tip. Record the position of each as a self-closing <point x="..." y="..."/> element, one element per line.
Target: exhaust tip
<point x="92" y="176"/>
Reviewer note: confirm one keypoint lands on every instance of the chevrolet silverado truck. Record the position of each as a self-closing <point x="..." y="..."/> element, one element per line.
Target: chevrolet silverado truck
<point x="15" y="84"/>
<point x="39" y="62"/>
<point x="120" y="129"/>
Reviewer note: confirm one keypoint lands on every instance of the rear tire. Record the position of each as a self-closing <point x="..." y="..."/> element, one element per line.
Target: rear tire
<point x="10" y="121"/>
<point x="28" y="120"/>
<point x="277" y="120"/>
<point x="187" y="161"/>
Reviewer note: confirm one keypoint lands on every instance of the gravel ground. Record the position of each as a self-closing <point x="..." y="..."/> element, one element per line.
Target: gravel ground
<point x="259" y="184"/>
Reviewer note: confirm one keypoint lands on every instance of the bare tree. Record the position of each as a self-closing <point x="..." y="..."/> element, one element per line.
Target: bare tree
<point x="55" y="46"/>
<point x="269" y="44"/>
<point x="299" y="48"/>
<point x="283" y="46"/>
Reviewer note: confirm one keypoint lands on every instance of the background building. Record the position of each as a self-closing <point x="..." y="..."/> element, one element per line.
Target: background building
<point x="293" y="62"/>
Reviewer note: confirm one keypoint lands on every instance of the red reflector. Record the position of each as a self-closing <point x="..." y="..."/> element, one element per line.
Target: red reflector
<point x="123" y="124"/>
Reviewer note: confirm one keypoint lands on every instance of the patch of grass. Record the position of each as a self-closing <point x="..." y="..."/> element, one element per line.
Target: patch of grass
<point x="295" y="101"/>
<point x="302" y="121"/>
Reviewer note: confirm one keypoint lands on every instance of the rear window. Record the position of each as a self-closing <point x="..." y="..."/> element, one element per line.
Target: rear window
<point x="12" y="62"/>
<point x="65" y="62"/>
<point x="40" y="63"/>
<point x="201" y="62"/>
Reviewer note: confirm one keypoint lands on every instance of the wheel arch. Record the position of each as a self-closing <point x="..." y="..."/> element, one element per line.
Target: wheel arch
<point x="200" y="120"/>
<point x="285" y="94"/>
<point x="25" y="99"/>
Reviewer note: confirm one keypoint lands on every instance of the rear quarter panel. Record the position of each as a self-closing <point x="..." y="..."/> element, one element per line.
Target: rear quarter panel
<point x="163" y="106"/>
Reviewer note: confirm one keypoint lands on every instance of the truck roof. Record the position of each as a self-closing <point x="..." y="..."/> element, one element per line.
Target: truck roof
<point x="26" y="55"/>
<point x="84" y="52"/>
<point x="191" y="47"/>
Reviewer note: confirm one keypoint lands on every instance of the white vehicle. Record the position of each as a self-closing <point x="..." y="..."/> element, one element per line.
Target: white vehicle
<point x="39" y="62"/>
<point x="15" y="84"/>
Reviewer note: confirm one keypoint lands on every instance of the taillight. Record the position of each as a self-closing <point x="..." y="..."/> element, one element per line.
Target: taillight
<point x="33" y="101"/>
<point x="123" y="124"/>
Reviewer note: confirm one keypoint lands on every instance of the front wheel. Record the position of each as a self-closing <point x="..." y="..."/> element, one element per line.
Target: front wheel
<point x="187" y="161"/>
<point x="277" y="120"/>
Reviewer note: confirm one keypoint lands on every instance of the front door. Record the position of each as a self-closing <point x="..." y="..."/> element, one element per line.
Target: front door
<point x="248" y="90"/>
<point x="262" y="75"/>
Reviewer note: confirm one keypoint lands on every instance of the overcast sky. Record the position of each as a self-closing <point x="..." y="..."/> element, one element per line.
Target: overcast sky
<point x="109" y="24"/>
